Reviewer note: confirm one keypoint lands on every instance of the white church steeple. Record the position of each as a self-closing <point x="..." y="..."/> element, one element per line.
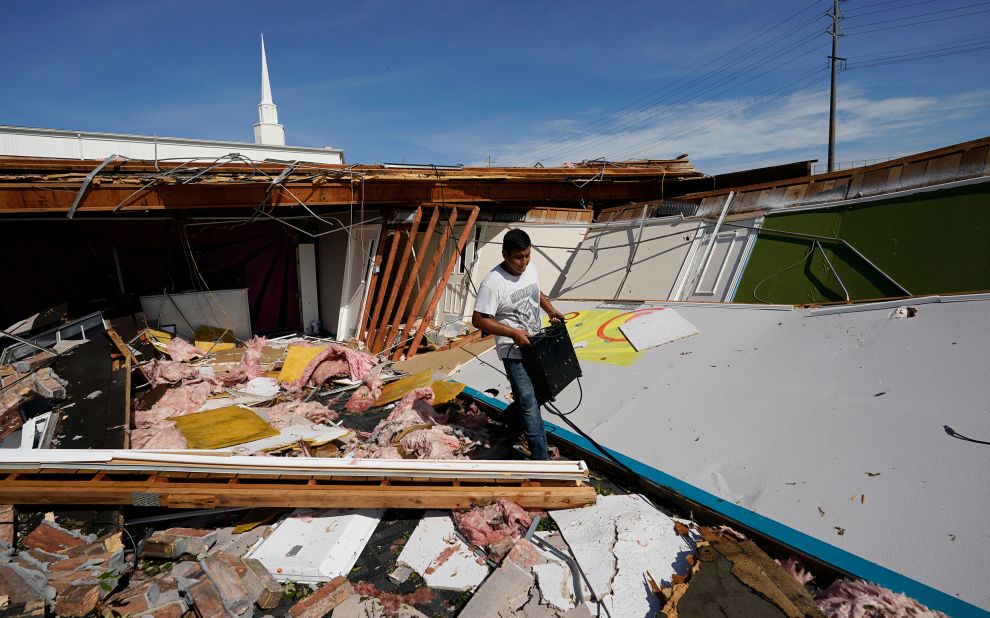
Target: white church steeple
<point x="268" y="130"/>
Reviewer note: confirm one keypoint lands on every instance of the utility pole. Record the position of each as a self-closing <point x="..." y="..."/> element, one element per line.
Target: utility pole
<point x="833" y="59"/>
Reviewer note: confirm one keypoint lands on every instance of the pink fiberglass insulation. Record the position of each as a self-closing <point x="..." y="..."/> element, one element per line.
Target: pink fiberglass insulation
<point x="430" y="443"/>
<point x="181" y="350"/>
<point x="367" y="394"/>
<point x="413" y="411"/>
<point x="358" y="364"/>
<point x="251" y="360"/>
<point x="176" y="401"/>
<point x="331" y="368"/>
<point x="170" y="372"/>
<point x="281" y="416"/>
<point x="493" y="523"/>
<point x="847" y="598"/>
<point x="392" y="603"/>
<point x="796" y="570"/>
<point x="416" y="406"/>
<point x="163" y="437"/>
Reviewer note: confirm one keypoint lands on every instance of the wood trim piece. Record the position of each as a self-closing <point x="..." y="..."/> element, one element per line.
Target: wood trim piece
<point x="442" y="283"/>
<point x="155" y="490"/>
<point x="377" y="338"/>
<point x="359" y="333"/>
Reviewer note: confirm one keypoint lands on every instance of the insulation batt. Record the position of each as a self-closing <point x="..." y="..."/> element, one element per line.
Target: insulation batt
<point x="367" y="394"/>
<point x="281" y="416"/>
<point x="414" y="409"/>
<point x="176" y="401"/>
<point x="251" y="360"/>
<point x="430" y="443"/>
<point x="181" y="350"/>
<point x="847" y="598"/>
<point x="358" y="364"/>
<point x="493" y="523"/>
<point x="170" y="372"/>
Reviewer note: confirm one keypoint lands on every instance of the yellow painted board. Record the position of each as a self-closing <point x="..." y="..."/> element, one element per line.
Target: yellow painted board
<point x="222" y="427"/>
<point x="159" y="338"/>
<point x="446" y="390"/>
<point x="209" y="346"/>
<point x="256" y="517"/>
<point x="596" y="336"/>
<point x="395" y="391"/>
<point x="296" y="359"/>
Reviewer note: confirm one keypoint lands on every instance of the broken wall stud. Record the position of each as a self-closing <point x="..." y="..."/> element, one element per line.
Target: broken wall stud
<point x="392" y="333"/>
<point x="375" y="340"/>
<point x="428" y="276"/>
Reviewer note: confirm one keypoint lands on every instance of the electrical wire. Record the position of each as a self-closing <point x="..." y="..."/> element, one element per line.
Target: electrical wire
<point x="680" y="85"/>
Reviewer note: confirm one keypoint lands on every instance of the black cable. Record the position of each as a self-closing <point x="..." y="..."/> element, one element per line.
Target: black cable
<point x="952" y="432"/>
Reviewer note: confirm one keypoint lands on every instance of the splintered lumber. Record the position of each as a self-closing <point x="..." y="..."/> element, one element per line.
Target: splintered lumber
<point x="190" y="480"/>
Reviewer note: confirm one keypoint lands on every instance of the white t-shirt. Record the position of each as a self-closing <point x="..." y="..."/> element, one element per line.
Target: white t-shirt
<point x="513" y="301"/>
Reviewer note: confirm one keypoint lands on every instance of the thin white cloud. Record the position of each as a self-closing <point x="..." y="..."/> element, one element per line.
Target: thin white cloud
<point x="728" y="134"/>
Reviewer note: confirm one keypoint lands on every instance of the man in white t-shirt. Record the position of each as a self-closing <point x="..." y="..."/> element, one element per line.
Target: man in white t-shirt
<point x="508" y="306"/>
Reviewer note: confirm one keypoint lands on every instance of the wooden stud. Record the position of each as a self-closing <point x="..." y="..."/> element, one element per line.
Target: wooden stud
<point x="427" y="278"/>
<point x="396" y="284"/>
<point x="442" y="283"/>
<point x="383" y="282"/>
<point x="424" y="243"/>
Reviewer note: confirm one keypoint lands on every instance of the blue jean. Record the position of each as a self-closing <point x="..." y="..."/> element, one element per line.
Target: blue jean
<point x="524" y="411"/>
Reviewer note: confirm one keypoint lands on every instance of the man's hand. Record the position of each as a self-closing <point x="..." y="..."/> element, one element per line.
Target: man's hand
<point x="520" y="337"/>
<point x="556" y="317"/>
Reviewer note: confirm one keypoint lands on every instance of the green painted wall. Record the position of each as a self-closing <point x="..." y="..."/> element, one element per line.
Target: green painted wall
<point x="931" y="242"/>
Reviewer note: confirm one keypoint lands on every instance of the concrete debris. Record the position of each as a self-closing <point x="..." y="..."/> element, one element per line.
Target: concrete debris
<point x="616" y="542"/>
<point x="440" y="557"/>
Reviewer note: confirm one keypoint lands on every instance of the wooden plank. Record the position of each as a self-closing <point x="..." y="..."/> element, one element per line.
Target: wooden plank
<point x="427" y="278"/>
<point x="127" y="402"/>
<point x="396" y="281"/>
<point x="442" y="282"/>
<point x="384" y="280"/>
<point x="416" y="495"/>
<point x="359" y="333"/>
<point x="392" y="331"/>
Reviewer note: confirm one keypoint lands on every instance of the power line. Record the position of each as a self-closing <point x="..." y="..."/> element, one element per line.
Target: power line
<point x="855" y="31"/>
<point x="899" y="7"/>
<point x="740" y="77"/>
<point x="543" y="149"/>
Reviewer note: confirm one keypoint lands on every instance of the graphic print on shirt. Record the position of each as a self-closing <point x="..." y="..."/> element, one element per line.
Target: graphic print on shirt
<point x="520" y="305"/>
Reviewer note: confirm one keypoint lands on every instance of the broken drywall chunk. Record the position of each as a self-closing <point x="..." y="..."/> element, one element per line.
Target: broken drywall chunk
<point x="48" y="384"/>
<point x="316" y="545"/>
<point x="615" y="542"/>
<point x="506" y="588"/>
<point x="648" y="330"/>
<point x="440" y="557"/>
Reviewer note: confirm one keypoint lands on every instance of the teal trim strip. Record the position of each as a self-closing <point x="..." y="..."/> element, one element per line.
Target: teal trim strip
<point x="840" y="558"/>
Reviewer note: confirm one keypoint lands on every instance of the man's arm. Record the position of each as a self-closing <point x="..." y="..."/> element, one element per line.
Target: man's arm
<point x="489" y="324"/>
<point x="555" y="316"/>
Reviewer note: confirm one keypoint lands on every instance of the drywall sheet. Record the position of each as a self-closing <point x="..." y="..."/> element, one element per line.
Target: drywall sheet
<point x="316" y="545"/>
<point x="553" y="246"/>
<point x="188" y="311"/>
<point x="597" y="268"/>
<point x="934" y="242"/>
<point x="440" y="557"/>
<point x="222" y="427"/>
<point x="597" y="336"/>
<point x="830" y="424"/>
<point x="657" y="328"/>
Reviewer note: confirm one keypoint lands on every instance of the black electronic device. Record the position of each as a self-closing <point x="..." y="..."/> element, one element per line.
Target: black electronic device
<point x="550" y="361"/>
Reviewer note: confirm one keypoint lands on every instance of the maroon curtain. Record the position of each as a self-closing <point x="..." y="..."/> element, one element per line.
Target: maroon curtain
<point x="52" y="262"/>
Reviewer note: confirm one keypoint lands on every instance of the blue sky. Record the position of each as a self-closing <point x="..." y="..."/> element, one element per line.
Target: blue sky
<point x="520" y="82"/>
